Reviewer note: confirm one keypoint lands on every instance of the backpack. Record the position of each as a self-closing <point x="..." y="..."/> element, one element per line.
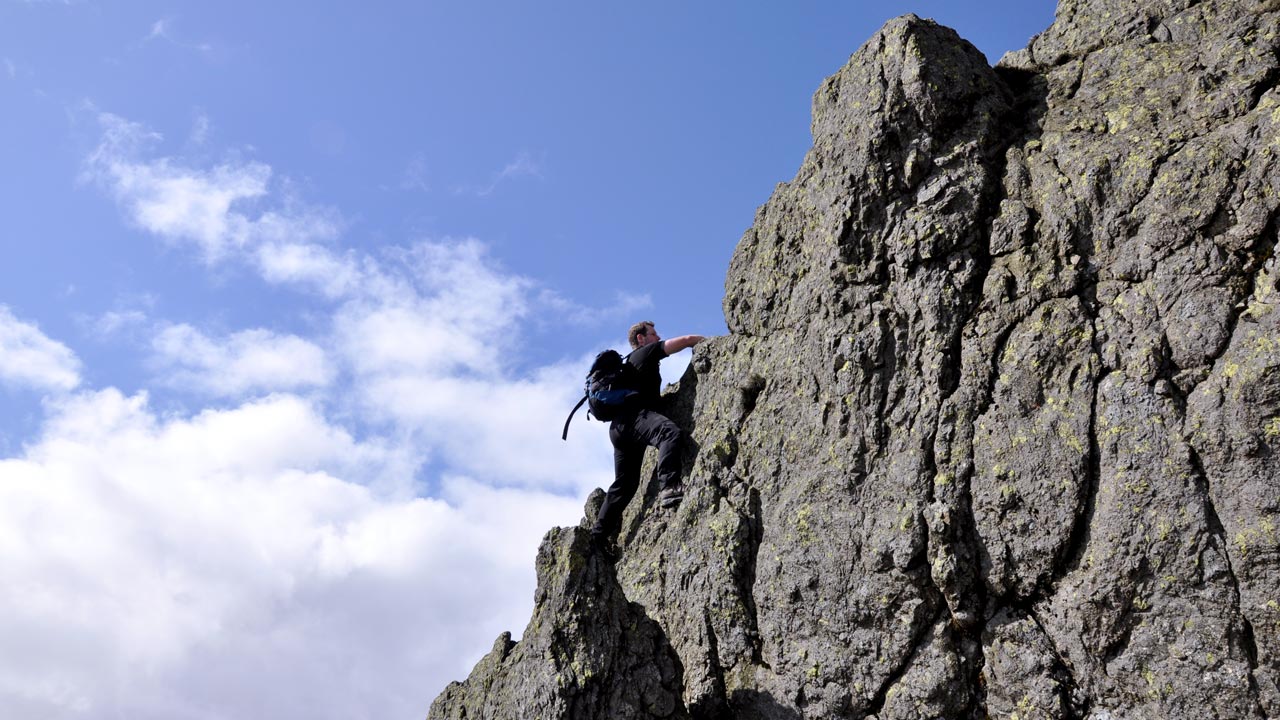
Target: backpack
<point x="608" y="391"/>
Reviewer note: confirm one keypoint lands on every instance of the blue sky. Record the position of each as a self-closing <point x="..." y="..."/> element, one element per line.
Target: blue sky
<point x="296" y="295"/>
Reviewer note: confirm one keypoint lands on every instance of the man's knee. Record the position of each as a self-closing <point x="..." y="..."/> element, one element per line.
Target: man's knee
<point x="669" y="433"/>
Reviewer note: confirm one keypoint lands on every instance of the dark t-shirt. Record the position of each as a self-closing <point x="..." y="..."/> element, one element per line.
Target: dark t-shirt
<point x="648" y="380"/>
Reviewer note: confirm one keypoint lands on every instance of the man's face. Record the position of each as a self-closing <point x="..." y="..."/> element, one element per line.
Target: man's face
<point x="650" y="336"/>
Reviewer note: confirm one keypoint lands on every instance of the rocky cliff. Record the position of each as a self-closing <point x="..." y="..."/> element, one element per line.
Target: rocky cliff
<point x="995" y="432"/>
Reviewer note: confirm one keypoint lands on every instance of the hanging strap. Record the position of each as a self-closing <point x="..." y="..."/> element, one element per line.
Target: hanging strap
<point x="565" y="435"/>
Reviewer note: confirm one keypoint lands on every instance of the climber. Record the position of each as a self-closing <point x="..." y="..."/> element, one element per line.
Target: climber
<point x="634" y="431"/>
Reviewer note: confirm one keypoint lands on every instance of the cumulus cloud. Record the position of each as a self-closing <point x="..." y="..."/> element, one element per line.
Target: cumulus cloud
<point x="507" y="431"/>
<point x="244" y="362"/>
<point x="240" y="563"/>
<point x="261" y="559"/>
<point x="311" y="265"/>
<point x="428" y="333"/>
<point x="442" y="308"/>
<point x="434" y="352"/>
<point x="212" y="209"/>
<point x="30" y="359"/>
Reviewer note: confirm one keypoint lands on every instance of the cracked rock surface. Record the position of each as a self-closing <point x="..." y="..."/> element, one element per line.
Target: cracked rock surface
<point x="587" y="653"/>
<point x="995" y="431"/>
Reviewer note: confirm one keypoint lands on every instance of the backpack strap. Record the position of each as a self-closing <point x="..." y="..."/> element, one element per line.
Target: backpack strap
<point x="565" y="434"/>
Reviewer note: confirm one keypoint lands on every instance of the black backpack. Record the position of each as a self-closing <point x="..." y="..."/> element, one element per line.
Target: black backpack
<point x="609" y="392"/>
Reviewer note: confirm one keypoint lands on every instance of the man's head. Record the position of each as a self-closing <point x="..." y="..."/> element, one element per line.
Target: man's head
<point x="641" y="334"/>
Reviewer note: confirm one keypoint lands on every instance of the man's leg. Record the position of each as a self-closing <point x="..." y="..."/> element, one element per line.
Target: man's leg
<point x="627" y="458"/>
<point x="658" y="431"/>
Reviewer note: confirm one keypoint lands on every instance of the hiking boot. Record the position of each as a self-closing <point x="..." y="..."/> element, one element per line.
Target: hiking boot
<point x="606" y="546"/>
<point x="670" y="497"/>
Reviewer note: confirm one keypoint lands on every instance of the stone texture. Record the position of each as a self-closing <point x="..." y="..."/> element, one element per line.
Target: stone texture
<point x="994" y="431"/>
<point x="586" y="654"/>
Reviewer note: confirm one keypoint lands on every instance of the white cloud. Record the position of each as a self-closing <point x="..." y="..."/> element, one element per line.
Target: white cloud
<point x="672" y="369"/>
<point x="200" y="130"/>
<point x="243" y="362"/>
<point x="441" y="309"/>
<point x="159" y="29"/>
<point x="505" y="430"/>
<point x="311" y="265"/>
<point x="208" y="208"/>
<point x="430" y="334"/>
<point x="115" y="321"/>
<point x="288" y="569"/>
<point x="623" y="307"/>
<point x="432" y="352"/>
<point x="28" y="358"/>
<point x="522" y="166"/>
<point x="129" y="318"/>
<point x="240" y="564"/>
<point x="162" y="29"/>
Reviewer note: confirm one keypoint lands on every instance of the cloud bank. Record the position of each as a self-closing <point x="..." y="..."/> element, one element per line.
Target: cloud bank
<point x="241" y="363"/>
<point x="238" y="562"/>
<point x="339" y="524"/>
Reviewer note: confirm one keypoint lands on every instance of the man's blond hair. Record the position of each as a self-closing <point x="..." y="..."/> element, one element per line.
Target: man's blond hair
<point x="641" y="328"/>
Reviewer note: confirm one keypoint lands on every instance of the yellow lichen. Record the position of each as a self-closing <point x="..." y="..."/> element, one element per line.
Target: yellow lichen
<point x="802" y="524"/>
<point x="1272" y="427"/>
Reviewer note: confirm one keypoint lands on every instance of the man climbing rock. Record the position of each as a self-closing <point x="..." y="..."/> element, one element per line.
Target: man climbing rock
<point x="634" y="431"/>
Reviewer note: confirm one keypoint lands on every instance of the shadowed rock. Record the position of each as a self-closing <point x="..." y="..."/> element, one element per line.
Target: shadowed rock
<point x="586" y="654"/>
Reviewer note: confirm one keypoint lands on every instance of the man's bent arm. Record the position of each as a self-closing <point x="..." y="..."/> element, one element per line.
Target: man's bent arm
<point x="675" y="345"/>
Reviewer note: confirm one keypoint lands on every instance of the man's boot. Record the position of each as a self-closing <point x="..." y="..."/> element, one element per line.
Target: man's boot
<point x="606" y="546"/>
<point x="670" y="496"/>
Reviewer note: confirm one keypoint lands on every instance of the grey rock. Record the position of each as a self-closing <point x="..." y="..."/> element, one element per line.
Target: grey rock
<point x="995" y="429"/>
<point x="587" y="653"/>
<point x="1025" y="675"/>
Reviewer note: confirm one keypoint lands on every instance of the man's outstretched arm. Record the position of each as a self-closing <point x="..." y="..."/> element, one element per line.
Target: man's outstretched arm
<point x="675" y="345"/>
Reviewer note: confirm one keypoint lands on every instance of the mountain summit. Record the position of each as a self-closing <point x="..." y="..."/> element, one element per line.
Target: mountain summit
<point x="996" y="430"/>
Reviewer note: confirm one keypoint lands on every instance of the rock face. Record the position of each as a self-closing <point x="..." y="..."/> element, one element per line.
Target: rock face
<point x="587" y="653"/>
<point x="996" y="432"/>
